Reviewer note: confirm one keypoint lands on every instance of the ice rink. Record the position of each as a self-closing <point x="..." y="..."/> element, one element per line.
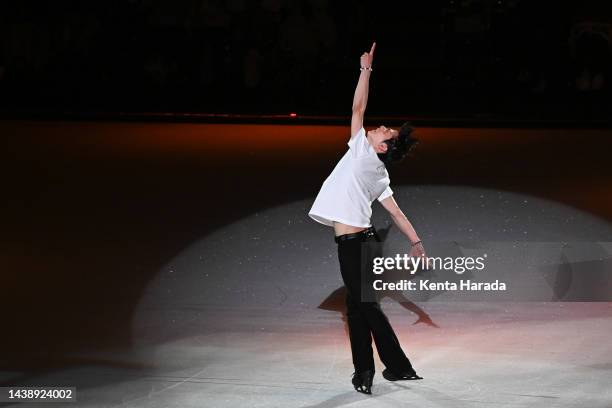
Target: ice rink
<point x="159" y="278"/>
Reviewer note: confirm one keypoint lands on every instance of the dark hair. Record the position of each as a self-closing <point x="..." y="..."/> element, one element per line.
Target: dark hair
<point x="398" y="148"/>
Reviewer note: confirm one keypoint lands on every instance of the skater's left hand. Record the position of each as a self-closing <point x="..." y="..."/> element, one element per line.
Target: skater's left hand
<point x="418" y="251"/>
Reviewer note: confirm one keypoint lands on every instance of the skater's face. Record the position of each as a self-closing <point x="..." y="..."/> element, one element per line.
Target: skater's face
<point x="378" y="137"/>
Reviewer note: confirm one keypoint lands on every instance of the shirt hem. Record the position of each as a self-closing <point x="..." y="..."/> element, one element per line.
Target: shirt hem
<point x="330" y="220"/>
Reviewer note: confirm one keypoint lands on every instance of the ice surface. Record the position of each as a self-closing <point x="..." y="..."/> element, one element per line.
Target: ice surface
<point x="252" y="316"/>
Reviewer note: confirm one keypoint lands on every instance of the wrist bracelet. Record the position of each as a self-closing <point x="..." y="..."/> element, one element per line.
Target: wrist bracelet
<point x="416" y="243"/>
<point x="365" y="69"/>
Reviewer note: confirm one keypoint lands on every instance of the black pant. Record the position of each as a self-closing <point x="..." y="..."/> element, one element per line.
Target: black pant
<point x="365" y="318"/>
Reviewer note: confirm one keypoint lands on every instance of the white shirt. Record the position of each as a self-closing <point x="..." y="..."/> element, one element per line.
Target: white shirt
<point x="358" y="179"/>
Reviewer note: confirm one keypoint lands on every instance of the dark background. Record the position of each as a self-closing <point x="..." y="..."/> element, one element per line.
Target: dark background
<point x="475" y="58"/>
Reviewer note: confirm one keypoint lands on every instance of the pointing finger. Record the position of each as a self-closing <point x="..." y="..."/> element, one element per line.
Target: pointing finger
<point x="373" y="47"/>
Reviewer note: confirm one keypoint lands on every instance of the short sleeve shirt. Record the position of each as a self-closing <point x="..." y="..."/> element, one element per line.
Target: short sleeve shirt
<point x="358" y="179"/>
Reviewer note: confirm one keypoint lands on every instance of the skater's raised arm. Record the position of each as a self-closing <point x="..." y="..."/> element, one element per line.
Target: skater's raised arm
<point x="360" y="99"/>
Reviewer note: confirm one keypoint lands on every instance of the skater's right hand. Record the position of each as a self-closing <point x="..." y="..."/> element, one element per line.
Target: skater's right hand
<point x="367" y="58"/>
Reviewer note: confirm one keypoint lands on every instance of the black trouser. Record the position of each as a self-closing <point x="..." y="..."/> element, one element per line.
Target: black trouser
<point x="365" y="318"/>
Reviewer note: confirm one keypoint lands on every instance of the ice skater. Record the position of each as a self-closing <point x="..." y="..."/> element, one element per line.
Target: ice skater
<point x="345" y="203"/>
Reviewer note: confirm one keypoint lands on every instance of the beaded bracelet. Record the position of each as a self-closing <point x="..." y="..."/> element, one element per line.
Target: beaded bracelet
<point x="365" y="69"/>
<point x="416" y="243"/>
